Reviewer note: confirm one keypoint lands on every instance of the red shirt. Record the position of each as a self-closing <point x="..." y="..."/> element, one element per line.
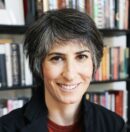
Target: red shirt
<point x="52" y="127"/>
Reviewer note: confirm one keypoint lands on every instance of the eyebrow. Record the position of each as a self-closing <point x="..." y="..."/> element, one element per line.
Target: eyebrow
<point x="58" y="53"/>
<point x="80" y="52"/>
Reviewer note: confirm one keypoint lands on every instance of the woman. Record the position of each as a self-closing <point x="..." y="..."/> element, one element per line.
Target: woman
<point x="64" y="49"/>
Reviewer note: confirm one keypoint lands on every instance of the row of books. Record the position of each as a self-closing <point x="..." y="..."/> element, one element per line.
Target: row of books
<point x="14" y="67"/>
<point x="7" y="105"/>
<point x="105" y="13"/>
<point x="114" y="64"/>
<point x="111" y="99"/>
<point x="109" y="13"/>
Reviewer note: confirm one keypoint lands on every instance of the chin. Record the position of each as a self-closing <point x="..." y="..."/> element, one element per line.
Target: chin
<point x="71" y="100"/>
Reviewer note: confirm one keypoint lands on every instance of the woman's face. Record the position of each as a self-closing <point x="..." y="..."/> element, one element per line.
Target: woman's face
<point x="67" y="71"/>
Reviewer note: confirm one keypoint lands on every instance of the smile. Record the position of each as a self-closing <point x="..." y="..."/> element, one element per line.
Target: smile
<point x="68" y="88"/>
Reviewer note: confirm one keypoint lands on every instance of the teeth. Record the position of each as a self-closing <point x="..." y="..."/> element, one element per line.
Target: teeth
<point x="68" y="86"/>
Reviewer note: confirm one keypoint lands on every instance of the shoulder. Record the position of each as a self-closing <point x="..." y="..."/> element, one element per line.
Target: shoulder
<point x="108" y="120"/>
<point x="12" y="121"/>
<point x="103" y="112"/>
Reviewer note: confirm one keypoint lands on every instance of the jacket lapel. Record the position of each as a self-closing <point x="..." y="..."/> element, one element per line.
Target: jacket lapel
<point x="88" y="121"/>
<point x="37" y="126"/>
<point x="36" y="114"/>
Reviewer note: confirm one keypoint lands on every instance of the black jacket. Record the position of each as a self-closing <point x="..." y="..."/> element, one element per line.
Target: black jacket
<point x="33" y="118"/>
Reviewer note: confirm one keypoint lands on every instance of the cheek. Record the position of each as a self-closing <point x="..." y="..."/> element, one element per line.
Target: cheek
<point x="87" y="70"/>
<point x="50" y="72"/>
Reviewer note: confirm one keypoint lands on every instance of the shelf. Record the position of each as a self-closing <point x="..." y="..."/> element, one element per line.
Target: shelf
<point x="110" y="81"/>
<point x="111" y="32"/>
<point x="16" y="29"/>
<point x="12" y="29"/>
<point x="16" y="88"/>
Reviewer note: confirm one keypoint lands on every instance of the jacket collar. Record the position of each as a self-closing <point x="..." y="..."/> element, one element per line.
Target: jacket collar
<point x="36" y="115"/>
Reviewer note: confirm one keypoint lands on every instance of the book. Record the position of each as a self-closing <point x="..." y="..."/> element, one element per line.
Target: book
<point x="119" y="102"/>
<point x="53" y="4"/>
<point x="117" y="14"/>
<point x="112" y="13"/>
<point x="7" y="47"/>
<point x="99" y="14"/>
<point x="15" y="64"/>
<point x="89" y="7"/>
<point x="29" y="11"/>
<point x="122" y="9"/>
<point x="45" y="5"/>
<point x="28" y="74"/>
<point x="80" y="5"/>
<point x="22" y="68"/>
<point x="39" y="8"/>
<point x="3" y="77"/>
<point x="61" y="4"/>
<point x="126" y="14"/>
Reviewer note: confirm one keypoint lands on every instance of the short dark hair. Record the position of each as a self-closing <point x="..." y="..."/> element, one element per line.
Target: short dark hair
<point x="58" y="26"/>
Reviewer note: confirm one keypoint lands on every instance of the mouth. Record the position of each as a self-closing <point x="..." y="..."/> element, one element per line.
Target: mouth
<point x="68" y="87"/>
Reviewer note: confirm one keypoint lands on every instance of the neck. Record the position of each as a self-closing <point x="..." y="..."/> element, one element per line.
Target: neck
<point x="62" y="114"/>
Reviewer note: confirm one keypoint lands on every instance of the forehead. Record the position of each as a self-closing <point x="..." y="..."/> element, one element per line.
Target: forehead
<point x="69" y="46"/>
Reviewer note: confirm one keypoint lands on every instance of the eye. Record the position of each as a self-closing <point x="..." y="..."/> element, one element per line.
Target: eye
<point x="82" y="57"/>
<point x="57" y="59"/>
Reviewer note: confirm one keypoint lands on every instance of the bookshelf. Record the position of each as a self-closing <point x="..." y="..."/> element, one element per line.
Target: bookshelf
<point x="16" y="88"/>
<point x="106" y="32"/>
<point x="15" y="29"/>
<point x="110" y="81"/>
<point x="12" y="29"/>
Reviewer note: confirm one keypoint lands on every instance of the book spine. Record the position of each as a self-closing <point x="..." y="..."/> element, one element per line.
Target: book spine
<point x="53" y="4"/>
<point x="45" y="5"/>
<point x="117" y="14"/>
<point x="99" y="14"/>
<point x="80" y="5"/>
<point x="31" y="12"/>
<point x="61" y="4"/>
<point x="8" y="64"/>
<point x="119" y="102"/>
<point x="3" y="77"/>
<point x="22" y="70"/>
<point x="15" y="64"/>
<point x="121" y="13"/>
<point x="39" y="8"/>
<point x="107" y="13"/>
<point x="126" y="16"/>
<point x="112" y="13"/>
<point x="89" y="7"/>
<point x="28" y="74"/>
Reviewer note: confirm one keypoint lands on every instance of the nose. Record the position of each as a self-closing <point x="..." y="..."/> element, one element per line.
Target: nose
<point x="69" y="71"/>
